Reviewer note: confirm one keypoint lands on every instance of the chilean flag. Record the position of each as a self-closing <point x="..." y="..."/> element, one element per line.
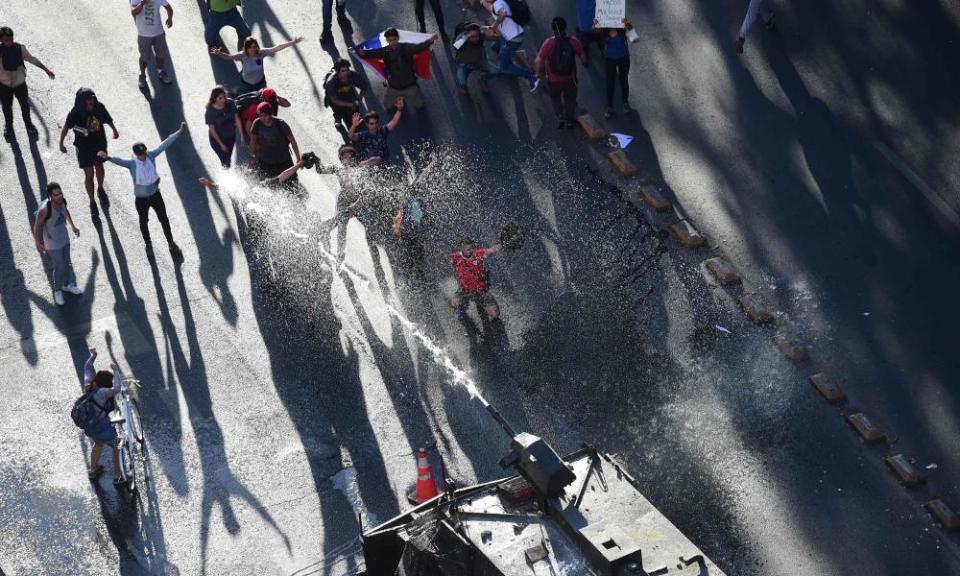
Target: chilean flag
<point x="421" y="60"/>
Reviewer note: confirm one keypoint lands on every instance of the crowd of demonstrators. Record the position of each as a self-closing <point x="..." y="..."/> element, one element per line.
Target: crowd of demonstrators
<point x="756" y="9"/>
<point x="223" y="123"/>
<point x="151" y="38"/>
<point x="86" y="120"/>
<point x="510" y="34"/>
<point x="616" y="59"/>
<point x="252" y="77"/>
<point x="220" y="14"/>
<point x="401" y="76"/>
<point x="372" y="139"/>
<point x="146" y="188"/>
<point x="559" y="54"/>
<point x="53" y="239"/>
<point x="270" y="142"/>
<point x="100" y="388"/>
<point x="419" y="9"/>
<point x="343" y="92"/>
<point x="326" y="36"/>
<point x="13" y="81"/>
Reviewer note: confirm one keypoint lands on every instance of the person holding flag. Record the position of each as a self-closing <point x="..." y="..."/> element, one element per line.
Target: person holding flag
<point x="399" y="63"/>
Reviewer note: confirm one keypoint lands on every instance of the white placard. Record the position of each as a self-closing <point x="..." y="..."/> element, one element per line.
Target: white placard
<point x="610" y="13"/>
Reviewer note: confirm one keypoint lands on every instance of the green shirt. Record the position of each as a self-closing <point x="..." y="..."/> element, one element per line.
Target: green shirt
<point x="222" y="5"/>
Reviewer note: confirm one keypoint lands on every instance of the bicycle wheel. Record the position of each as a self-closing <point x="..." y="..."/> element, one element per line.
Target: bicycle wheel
<point x="128" y="466"/>
<point x="136" y="427"/>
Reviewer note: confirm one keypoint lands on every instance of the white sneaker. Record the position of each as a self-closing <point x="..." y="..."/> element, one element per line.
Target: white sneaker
<point x="73" y="289"/>
<point x="58" y="297"/>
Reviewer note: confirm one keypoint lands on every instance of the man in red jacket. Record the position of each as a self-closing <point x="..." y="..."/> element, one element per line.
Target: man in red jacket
<point x="472" y="278"/>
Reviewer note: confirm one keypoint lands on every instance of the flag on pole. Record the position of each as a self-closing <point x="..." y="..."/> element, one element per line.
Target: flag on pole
<point x="421" y="60"/>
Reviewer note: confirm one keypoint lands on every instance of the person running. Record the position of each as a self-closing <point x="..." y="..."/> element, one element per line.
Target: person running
<point x="616" y="61"/>
<point x="756" y="8"/>
<point x="401" y="78"/>
<point x="223" y="123"/>
<point x="247" y="106"/>
<point x="509" y="40"/>
<point x="151" y="38"/>
<point x="372" y="140"/>
<point x="326" y="36"/>
<point x="13" y="81"/>
<point x="106" y="386"/>
<point x="52" y="239"/>
<point x="559" y="52"/>
<point x="470" y="55"/>
<point x="146" y="188"/>
<point x="222" y="13"/>
<point x="343" y="91"/>
<point x="251" y="61"/>
<point x="472" y="279"/>
<point x="86" y="120"/>
<point x="419" y="8"/>
<point x="270" y="143"/>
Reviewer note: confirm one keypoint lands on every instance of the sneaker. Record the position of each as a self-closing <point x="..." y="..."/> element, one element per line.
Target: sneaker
<point x="608" y="113"/>
<point x="58" y="297"/>
<point x="73" y="288"/>
<point x="164" y="77"/>
<point x="534" y="84"/>
<point x="175" y="251"/>
<point x="142" y="81"/>
<point x="626" y="107"/>
<point x="326" y="37"/>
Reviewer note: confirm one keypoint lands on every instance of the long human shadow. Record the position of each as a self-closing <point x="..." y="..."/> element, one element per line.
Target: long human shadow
<point x="215" y="250"/>
<point x="13" y="296"/>
<point x="26" y="187"/>
<point x="220" y="485"/>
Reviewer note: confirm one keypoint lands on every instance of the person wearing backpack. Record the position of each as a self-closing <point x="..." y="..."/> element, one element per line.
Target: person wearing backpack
<point x="91" y="412"/>
<point x="13" y="81"/>
<point x="343" y="90"/>
<point x="52" y="239"/>
<point x="511" y="16"/>
<point x="247" y="106"/>
<point x="146" y="188"/>
<point x="560" y="52"/>
<point x="616" y="60"/>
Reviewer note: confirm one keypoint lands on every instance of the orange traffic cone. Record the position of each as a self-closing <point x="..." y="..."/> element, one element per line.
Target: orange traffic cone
<point x="426" y="489"/>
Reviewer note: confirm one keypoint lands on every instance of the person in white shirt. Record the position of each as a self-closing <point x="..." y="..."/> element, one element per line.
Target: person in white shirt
<point x="756" y="8"/>
<point x="151" y="38"/>
<point x="509" y="39"/>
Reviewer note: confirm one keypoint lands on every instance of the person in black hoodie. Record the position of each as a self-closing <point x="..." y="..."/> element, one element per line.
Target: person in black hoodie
<point x="87" y="120"/>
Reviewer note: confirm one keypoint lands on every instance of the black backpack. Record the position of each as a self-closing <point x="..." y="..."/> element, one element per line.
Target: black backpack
<point x="561" y="59"/>
<point x="86" y="412"/>
<point x="519" y="11"/>
<point x="247" y="99"/>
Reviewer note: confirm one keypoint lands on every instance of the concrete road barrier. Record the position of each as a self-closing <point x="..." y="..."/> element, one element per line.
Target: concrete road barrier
<point x="756" y="308"/>
<point x="828" y="388"/>
<point x="595" y="132"/>
<point x="904" y="470"/>
<point x="723" y="271"/>
<point x="947" y="517"/>
<point x="622" y="164"/>
<point x="687" y="234"/>
<point x="652" y="197"/>
<point x="867" y="429"/>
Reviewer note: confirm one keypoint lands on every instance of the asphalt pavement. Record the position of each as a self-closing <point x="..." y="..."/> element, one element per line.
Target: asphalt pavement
<point x="284" y="399"/>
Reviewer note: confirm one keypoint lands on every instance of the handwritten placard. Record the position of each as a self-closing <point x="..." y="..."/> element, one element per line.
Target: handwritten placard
<point x="610" y="13"/>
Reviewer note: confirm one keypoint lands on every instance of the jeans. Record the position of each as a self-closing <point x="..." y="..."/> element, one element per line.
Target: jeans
<point x="506" y="50"/>
<point x="464" y="70"/>
<point x="563" y="94"/>
<point x="62" y="267"/>
<point x="617" y="68"/>
<point x="217" y="20"/>
<point x="144" y="205"/>
<point x="437" y="13"/>
<point x="328" y="13"/>
<point x="225" y="156"/>
<point x="7" y="95"/>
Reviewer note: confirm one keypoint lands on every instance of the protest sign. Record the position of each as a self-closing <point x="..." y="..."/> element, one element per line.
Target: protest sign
<point x="610" y="13"/>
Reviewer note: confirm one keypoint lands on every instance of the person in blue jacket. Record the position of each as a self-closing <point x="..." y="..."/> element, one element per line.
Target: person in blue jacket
<point x="146" y="187"/>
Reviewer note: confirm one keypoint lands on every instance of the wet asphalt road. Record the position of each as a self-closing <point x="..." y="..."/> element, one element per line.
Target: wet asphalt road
<point x="282" y="399"/>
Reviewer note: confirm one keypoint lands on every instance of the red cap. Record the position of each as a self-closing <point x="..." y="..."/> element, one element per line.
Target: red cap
<point x="268" y="94"/>
<point x="264" y="107"/>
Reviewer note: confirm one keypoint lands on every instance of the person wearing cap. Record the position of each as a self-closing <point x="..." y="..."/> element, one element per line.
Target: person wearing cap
<point x="248" y="110"/>
<point x="13" y="80"/>
<point x="222" y="13"/>
<point x="371" y="141"/>
<point x="473" y="282"/>
<point x="270" y="143"/>
<point x="146" y="187"/>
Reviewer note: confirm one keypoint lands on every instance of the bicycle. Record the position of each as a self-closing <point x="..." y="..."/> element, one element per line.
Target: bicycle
<point x="130" y="440"/>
